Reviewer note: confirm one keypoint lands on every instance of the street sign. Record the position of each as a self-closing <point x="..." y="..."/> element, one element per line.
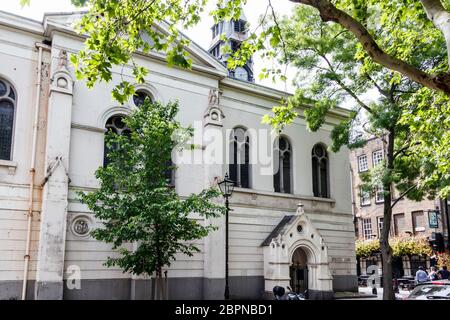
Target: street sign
<point x="433" y="219"/>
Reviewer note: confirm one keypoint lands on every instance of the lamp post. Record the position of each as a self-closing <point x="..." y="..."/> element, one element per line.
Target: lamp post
<point x="226" y="187"/>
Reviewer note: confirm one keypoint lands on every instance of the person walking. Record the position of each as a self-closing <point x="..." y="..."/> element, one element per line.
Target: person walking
<point x="421" y="275"/>
<point x="444" y="274"/>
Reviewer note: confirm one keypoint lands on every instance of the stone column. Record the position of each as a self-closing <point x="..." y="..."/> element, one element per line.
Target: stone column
<point x="50" y="266"/>
<point x="213" y="162"/>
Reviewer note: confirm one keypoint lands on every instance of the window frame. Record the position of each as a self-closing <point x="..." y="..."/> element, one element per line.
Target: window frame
<point x="363" y="156"/>
<point x="361" y="197"/>
<point x="280" y="170"/>
<point x="215" y="51"/>
<point x="380" y="225"/>
<point x="240" y="26"/>
<point x="121" y="131"/>
<point x="318" y="175"/>
<point x="395" y="219"/>
<point x="238" y="153"/>
<point x="6" y="97"/>
<point x="379" y="159"/>
<point x="366" y="226"/>
<point x="215" y="30"/>
<point x="379" y="190"/>
<point x="414" y="222"/>
<point x="145" y="92"/>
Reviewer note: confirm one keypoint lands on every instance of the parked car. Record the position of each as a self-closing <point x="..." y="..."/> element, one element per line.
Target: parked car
<point x="432" y="290"/>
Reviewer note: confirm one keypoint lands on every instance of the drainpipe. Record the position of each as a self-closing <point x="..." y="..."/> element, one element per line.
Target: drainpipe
<point x="40" y="47"/>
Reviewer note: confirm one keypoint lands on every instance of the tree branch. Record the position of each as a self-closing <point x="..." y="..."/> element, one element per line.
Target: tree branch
<point x="343" y="86"/>
<point x="380" y="90"/>
<point x="402" y="195"/>
<point x="328" y="12"/>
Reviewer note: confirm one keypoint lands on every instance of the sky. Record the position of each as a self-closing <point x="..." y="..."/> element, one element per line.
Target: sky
<point x="201" y="34"/>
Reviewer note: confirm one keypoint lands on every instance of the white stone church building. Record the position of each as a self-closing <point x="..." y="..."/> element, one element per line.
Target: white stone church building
<point x="294" y="227"/>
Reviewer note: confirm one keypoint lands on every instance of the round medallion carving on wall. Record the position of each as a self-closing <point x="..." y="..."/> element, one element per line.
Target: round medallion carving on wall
<point x="214" y="116"/>
<point x="62" y="83"/>
<point x="81" y="226"/>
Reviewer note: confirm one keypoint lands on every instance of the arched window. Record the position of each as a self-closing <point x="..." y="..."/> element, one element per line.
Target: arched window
<point x="140" y="96"/>
<point x="240" y="158"/>
<point x="7" y="108"/>
<point x="116" y="125"/>
<point x="282" y="161"/>
<point x="320" y="171"/>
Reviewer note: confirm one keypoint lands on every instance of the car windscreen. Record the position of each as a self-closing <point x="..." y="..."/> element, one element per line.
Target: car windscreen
<point x="428" y="291"/>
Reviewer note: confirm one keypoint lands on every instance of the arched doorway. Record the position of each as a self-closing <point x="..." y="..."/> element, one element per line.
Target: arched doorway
<point x="298" y="271"/>
<point x="296" y="255"/>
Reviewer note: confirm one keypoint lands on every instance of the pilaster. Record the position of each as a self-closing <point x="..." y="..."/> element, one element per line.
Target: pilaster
<point x="50" y="267"/>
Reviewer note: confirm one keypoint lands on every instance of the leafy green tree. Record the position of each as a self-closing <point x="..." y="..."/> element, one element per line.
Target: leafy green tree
<point x="135" y="201"/>
<point x="324" y="55"/>
<point x="117" y="29"/>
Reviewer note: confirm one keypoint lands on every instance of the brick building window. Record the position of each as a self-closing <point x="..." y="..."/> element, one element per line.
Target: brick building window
<point x="364" y="197"/>
<point x="367" y="228"/>
<point x="362" y="163"/>
<point x="380" y="225"/>
<point x="399" y="223"/>
<point x="377" y="157"/>
<point x="419" y="222"/>
<point x="379" y="196"/>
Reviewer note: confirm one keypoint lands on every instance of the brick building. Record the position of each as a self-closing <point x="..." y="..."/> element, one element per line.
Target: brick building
<point x="409" y="218"/>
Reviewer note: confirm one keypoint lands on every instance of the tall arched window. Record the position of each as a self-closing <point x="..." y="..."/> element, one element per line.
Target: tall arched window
<point x="7" y="108"/>
<point x="116" y="125"/>
<point x="283" y="167"/>
<point x="240" y="158"/>
<point x="140" y="97"/>
<point x="320" y="171"/>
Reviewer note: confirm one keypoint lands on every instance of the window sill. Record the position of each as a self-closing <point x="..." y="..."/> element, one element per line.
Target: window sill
<point x="11" y="165"/>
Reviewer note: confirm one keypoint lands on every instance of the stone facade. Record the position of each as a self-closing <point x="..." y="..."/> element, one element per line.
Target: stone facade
<point x="64" y="261"/>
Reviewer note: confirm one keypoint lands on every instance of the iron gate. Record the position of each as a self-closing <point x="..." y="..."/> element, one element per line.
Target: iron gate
<point x="299" y="278"/>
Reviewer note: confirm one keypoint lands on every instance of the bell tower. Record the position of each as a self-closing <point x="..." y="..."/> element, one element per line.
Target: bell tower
<point x="236" y="31"/>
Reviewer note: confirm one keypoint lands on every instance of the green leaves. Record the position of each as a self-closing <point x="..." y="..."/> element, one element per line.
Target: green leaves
<point x="333" y="70"/>
<point x="137" y="204"/>
<point x="400" y="246"/>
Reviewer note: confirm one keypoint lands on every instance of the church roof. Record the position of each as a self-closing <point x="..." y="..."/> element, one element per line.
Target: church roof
<point x="275" y="232"/>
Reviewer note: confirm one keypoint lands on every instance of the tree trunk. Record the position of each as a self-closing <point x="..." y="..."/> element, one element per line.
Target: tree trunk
<point x="159" y="291"/>
<point x="440" y="18"/>
<point x="386" y="252"/>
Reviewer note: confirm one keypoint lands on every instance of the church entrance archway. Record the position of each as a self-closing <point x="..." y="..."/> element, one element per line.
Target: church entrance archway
<point x="299" y="271"/>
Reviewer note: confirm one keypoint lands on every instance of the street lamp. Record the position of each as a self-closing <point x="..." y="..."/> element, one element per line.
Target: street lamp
<point x="226" y="187"/>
